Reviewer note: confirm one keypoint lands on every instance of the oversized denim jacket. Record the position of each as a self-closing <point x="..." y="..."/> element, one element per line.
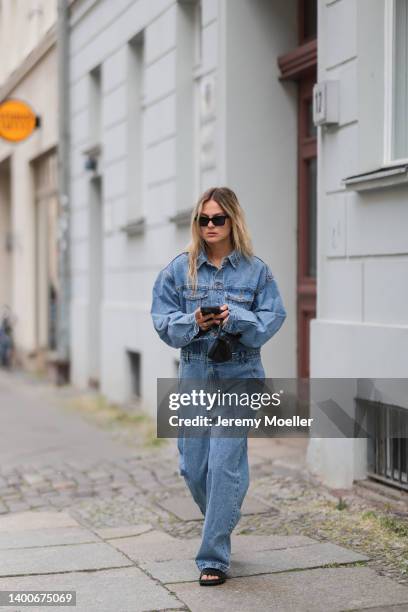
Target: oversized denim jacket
<point x="248" y="287"/>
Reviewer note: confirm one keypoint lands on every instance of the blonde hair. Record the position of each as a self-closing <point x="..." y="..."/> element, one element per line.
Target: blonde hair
<point x="240" y="237"/>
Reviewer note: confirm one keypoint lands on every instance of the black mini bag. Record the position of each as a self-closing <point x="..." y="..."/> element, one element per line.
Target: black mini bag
<point x="222" y="346"/>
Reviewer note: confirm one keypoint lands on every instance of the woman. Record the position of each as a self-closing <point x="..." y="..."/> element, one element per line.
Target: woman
<point x="219" y="268"/>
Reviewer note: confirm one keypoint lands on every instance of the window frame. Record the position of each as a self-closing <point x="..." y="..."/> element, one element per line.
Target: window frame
<point x="389" y="46"/>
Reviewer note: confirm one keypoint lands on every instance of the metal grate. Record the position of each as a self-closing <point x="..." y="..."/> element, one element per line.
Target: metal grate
<point x="387" y="443"/>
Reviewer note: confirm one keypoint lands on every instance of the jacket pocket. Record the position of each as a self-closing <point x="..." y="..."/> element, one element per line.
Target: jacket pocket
<point x="194" y="299"/>
<point x="240" y="297"/>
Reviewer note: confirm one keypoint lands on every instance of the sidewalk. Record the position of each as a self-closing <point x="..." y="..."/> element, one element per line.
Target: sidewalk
<point x="89" y="508"/>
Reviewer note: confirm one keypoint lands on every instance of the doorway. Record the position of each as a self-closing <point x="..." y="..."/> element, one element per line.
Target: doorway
<point x="300" y="65"/>
<point x="307" y="221"/>
<point x="6" y="235"/>
<point x="95" y="280"/>
<point x="46" y="255"/>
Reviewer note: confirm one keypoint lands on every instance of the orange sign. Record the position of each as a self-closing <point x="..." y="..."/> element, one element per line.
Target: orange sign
<point x="17" y="120"/>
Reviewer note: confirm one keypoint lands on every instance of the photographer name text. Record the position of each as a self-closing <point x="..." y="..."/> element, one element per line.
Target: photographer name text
<point x="268" y="421"/>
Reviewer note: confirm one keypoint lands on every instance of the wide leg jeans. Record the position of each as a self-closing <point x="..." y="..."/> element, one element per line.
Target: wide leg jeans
<point x="215" y="467"/>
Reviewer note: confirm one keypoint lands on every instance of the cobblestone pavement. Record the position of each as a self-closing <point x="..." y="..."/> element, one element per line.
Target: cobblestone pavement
<point x="129" y="488"/>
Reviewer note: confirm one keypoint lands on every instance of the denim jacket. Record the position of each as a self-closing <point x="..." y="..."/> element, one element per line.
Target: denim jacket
<point x="248" y="287"/>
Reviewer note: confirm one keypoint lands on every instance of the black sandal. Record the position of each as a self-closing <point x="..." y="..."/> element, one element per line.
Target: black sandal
<point x="212" y="571"/>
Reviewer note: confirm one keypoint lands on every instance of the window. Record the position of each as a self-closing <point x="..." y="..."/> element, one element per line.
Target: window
<point x="135" y="373"/>
<point x="95" y="101"/>
<point x="188" y="54"/>
<point x="136" y="110"/>
<point x="387" y="448"/>
<point x="198" y="28"/>
<point x="396" y="77"/>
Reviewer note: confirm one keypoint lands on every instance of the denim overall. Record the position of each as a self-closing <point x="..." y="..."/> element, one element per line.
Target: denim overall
<point x="215" y="468"/>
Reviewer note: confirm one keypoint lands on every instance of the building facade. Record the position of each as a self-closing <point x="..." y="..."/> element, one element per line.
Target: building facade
<point x="168" y="98"/>
<point x="28" y="180"/>
<point x="361" y="327"/>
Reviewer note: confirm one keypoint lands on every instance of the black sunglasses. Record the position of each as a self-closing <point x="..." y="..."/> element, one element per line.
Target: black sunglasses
<point x="203" y="220"/>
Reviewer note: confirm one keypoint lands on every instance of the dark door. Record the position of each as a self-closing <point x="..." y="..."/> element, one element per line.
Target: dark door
<point x="307" y="221"/>
<point x="300" y="65"/>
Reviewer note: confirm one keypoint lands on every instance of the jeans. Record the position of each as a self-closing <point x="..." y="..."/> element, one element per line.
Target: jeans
<point x="215" y="468"/>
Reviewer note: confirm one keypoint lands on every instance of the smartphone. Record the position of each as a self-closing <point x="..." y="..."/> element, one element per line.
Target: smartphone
<point x="206" y="310"/>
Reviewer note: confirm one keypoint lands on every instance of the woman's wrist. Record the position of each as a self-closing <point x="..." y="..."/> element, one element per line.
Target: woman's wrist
<point x="228" y="324"/>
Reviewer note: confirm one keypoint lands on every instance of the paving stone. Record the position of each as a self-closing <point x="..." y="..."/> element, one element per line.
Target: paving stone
<point x="46" y="537"/>
<point x="45" y="488"/>
<point x="47" y="470"/>
<point x="34" y="478"/>
<point x="114" y="590"/>
<point x="34" y="501"/>
<point x="26" y="489"/>
<point x="318" y="590"/>
<point x="33" y="519"/>
<point x="128" y="492"/>
<point x="143" y="548"/>
<point x="122" y="483"/>
<point x="150" y="545"/>
<point x="107" y="494"/>
<point x="62" y="501"/>
<point x="186" y="509"/>
<point x="99" y="476"/>
<point x="17" y="506"/>
<point x="76" y="465"/>
<point x="143" y="477"/>
<point x="64" y="484"/>
<point x="14" y="480"/>
<point x="272" y="542"/>
<point x="264" y="562"/>
<point x="8" y="471"/>
<point x="80" y="478"/>
<point x="397" y="608"/>
<point x="48" y="497"/>
<point x="84" y="494"/>
<point x="149" y="550"/>
<point x="68" y="558"/>
<point x="8" y="491"/>
<point x="123" y="532"/>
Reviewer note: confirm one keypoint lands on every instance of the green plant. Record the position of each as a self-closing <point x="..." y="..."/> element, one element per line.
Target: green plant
<point x="341" y="504"/>
<point x="395" y="525"/>
<point x="369" y="514"/>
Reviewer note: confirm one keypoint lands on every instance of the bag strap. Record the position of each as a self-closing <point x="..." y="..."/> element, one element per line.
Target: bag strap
<point x="219" y="330"/>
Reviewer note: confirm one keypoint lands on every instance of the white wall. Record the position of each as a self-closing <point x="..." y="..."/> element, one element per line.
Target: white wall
<point x="261" y="148"/>
<point x="23" y="23"/>
<point x="361" y="329"/>
<point x="131" y="263"/>
<point x="39" y="89"/>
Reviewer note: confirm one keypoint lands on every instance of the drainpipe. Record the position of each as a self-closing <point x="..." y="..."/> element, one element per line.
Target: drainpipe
<point x="64" y="295"/>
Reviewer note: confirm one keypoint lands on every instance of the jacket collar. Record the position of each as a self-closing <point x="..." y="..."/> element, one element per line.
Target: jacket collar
<point x="233" y="258"/>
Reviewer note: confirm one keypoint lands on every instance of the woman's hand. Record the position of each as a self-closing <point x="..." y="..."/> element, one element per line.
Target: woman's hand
<point x="204" y="321"/>
<point x="223" y="317"/>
